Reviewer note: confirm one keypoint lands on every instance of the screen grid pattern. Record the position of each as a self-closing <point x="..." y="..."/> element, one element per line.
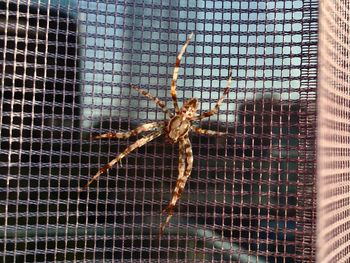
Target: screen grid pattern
<point x="333" y="129"/>
<point x="65" y="73"/>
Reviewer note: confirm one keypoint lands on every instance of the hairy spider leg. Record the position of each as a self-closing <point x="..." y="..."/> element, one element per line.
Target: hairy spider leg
<point x="134" y="132"/>
<point x="129" y="149"/>
<point x="157" y="101"/>
<point x="185" y="169"/>
<point x="207" y="132"/>
<point x="218" y="103"/>
<point x="176" y="73"/>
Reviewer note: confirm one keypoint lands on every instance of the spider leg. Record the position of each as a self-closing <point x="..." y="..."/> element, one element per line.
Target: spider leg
<point x="185" y="151"/>
<point x="182" y="165"/>
<point x="134" y="132"/>
<point x="129" y="149"/>
<point x="207" y="132"/>
<point x="218" y="103"/>
<point x="157" y="101"/>
<point x="176" y="72"/>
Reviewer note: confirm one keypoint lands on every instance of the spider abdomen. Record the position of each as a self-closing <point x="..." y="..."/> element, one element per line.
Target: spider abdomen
<point x="177" y="128"/>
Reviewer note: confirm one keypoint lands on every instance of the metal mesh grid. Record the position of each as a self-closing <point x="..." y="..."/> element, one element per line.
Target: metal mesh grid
<point x="333" y="126"/>
<point x="65" y="71"/>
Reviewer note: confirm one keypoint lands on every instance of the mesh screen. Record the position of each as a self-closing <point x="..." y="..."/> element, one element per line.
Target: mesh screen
<point x="333" y="139"/>
<point x="65" y="73"/>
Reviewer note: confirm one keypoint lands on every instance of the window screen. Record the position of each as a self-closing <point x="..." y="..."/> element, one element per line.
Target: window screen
<point x="65" y="72"/>
<point x="333" y="130"/>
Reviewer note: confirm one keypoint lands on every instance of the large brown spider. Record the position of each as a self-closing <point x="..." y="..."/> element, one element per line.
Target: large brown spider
<point x="176" y="130"/>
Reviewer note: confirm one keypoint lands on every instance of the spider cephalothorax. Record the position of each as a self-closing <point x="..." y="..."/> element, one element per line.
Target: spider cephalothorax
<point x="176" y="130"/>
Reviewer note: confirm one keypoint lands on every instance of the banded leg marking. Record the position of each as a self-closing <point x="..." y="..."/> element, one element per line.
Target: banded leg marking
<point x="134" y="132"/>
<point x="181" y="167"/>
<point x="176" y="73"/>
<point x="185" y="169"/>
<point x="218" y="103"/>
<point x="129" y="149"/>
<point x="157" y="101"/>
<point x="207" y="132"/>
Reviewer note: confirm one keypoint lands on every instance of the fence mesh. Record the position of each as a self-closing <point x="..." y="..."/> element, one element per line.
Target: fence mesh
<point x="65" y="72"/>
<point x="333" y="127"/>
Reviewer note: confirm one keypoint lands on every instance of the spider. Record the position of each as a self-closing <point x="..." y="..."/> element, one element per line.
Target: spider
<point x="176" y="130"/>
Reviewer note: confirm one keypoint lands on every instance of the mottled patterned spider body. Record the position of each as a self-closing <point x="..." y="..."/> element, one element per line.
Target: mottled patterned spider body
<point x="180" y="125"/>
<point x="176" y="130"/>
